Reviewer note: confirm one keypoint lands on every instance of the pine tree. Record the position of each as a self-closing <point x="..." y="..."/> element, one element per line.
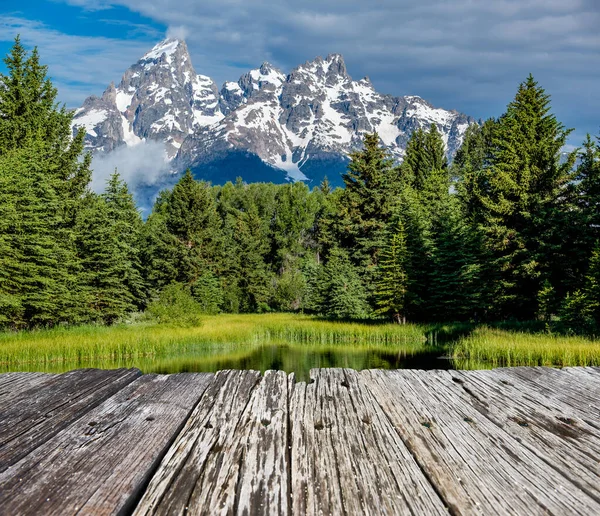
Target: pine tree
<point x="183" y="236"/>
<point x="525" y="183"/>
<point x="46" y="180"/>
<point x="342" y="293"/>
<point x="366" y="205"/>
<point x="109" y="231"/>
<point x="39" y="270"/>
<point x="127" y="232"/>
<point x="391" y="286"/>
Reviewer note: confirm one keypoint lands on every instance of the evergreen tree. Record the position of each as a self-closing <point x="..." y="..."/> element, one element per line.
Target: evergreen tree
<point x="525" y="181"/>
<point x="45" y="183"/>
<point x="39" y="268"/>
<point x="392" y="282"/>
<point x="341" y="290"/>
<point x="366" y="205"/>
<point x="183" y="235"/>
<point x="109" y="230"/>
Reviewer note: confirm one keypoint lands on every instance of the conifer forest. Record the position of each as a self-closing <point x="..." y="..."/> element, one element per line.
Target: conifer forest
<point x="508" y="230"/>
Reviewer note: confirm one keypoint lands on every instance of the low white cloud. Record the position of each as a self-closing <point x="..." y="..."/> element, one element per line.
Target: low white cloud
<point x="140" y="165"/>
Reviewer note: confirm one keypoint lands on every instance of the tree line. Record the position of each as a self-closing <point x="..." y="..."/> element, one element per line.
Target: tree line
<point x="509" y="229"/>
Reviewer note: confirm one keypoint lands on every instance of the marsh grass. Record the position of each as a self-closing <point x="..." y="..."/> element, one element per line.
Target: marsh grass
<point x="290" y="342"/>
<point x="146" y="342"/>
<point x="487" y="347"/>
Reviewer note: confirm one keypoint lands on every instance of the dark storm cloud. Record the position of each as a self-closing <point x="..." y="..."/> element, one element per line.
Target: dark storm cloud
<point x="463" y="54"/>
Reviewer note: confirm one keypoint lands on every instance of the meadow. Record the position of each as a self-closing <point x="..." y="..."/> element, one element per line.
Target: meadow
<point x="292" y="342"/>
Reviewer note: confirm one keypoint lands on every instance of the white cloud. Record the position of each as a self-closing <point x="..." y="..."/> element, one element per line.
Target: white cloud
<point x="140" y="165"/>
<point x="78" y="65"/>
<point x="179" y="32"/>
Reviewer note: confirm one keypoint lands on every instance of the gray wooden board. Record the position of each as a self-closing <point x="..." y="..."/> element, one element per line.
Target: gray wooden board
<point x="476" y="466"/>
<point x="346" y="457"/>
<point x="581" y="393"/>
<point x="548" y="429"/>
<point x="201" y="472"/>
<point x="101" y="463"/>
<point x="15" y="385"/>
<point x="43" y="410"/>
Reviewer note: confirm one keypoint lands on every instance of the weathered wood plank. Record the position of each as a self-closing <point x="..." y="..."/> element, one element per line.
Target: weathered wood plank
<point x="101" y="463"/>
<point x="347" y="457"/>
<point x="200" y="472"/>
<point x="44" y="410"/>
<point x="579" y="392"/>
<point x="15" y="385"/>
<point x="476" y="466"/>
<point x="549" y="429"/>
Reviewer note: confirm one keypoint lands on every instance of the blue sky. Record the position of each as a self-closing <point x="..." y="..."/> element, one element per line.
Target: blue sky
<point x="468" y="55"/>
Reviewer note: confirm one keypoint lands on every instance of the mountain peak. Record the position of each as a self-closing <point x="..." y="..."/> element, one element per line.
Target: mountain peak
<point x="167" y="46"/>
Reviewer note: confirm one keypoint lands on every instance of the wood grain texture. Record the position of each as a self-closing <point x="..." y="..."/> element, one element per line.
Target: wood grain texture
<point x="580" y="392"/>
<point x="476" y="466"/>
<point x="200" y="473"/>
<point x="101" y="463"/>
<point x="549" y="429"/>
<point x="508" y="441"/>
<point x="346" y="457"/>
<point x="42" y="411"/>
<point x="16" y="385"/>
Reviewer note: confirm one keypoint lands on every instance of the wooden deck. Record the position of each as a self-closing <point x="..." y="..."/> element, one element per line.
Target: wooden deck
<point x="507" y="441"/>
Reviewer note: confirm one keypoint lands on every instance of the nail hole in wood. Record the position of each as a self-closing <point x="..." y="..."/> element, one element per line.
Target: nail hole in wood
<point x="319" y="425"/>
<point x="150" y="418"/>
<point x="345" y="384"/>
<point x="506" y="383"/>
<point x="427" y="424"/>
<point x="457" y="380"/>
<point x="312" y="380"/>
<point x="93" y="423"/>
<point x="567" y="420"/>
<point x="208" y="425"/>
<point x="265" y="422"/>
<point x="366" y="420"/>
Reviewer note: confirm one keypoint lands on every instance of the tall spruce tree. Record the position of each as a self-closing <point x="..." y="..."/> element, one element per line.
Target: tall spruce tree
<point x="46" y="181"/>
<point x="109" y="229"/>
<point x="342" y="293"/>
<point x="525" y="184"/>
<point x="392" y="282"/>
<point x="366" y="205"/>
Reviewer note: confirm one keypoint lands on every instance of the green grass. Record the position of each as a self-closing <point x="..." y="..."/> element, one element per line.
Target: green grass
<point x="290" y="342"/>
<point x="216" y="335"/>
<point x="487" y="347"/>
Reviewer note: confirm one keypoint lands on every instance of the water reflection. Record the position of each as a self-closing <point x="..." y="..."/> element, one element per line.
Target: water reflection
<point x="290" y="358"/>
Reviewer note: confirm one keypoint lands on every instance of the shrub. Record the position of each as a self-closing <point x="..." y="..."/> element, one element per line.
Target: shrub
<point x="175" y="305"/>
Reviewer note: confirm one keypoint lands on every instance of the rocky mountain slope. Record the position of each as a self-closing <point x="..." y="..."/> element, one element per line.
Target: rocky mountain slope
<point x="266" y="126"/>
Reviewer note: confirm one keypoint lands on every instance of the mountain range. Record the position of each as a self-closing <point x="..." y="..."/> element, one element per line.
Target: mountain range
<point x="267" y="126"/>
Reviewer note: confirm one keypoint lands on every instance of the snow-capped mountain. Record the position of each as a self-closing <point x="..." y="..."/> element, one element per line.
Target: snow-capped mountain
<point x="266" y="126"/>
